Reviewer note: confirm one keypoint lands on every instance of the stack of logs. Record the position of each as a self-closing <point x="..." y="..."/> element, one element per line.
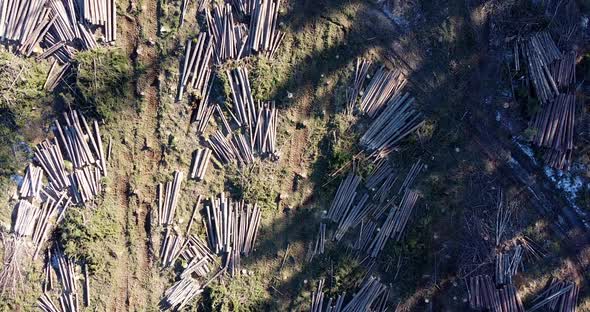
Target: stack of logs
<point x="395" y="223"/>
<point x="553" y="75"/>
<point x="168" y="199"/>
<point x="264" y="140"/>
<point x="264" y="34"/>
<point x="58" y="26"/>
<point x="507" y="265"/>
<point x="554" y="126"/>
<point x="317" y="300"/>
<point x="383" y="86"/>
<point x="320" y="243"/>
<point x="372" y="296"/>
<point x="231" y="228"/>
<point x="32" y="182"/>
<point x="360" y="74"/>
<point x="397" y="120"/>
<point x="196" y="66"/>
<point x="177" y="296"/>
<point x="539" y="52"/>
<point x="201" y="161"/>
<point x="243" y="110"/>
<point x="229" y="38"/>
<point x="559" y="296"/>
<point x="483" y="295"/>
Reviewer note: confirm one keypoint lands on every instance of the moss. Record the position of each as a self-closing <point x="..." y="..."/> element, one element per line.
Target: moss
<point x="103" y="79"/>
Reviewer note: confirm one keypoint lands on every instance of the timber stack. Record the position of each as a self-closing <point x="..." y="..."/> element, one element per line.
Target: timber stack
<point x="555" y="125"/>
<point x="201" y="160"/>
<point x="56" y="28"/>
<point x="360" y="75"/>
<point x="397" y="120"/>
<point x="264" y="35"/>
<point x="384" y="85"/>
<point x="197" y="68"/>
<point x="264" y="140"/>
<point x="319" y="247"/>
<point x="32" y="182"/>
<point x="561" y="296"/>
<point x="229" y="38"/>
<point x="317" y="300"/>
<point x="168" y="199"/>
<point x="243" y="110"/>
<point x="232" y="228"/>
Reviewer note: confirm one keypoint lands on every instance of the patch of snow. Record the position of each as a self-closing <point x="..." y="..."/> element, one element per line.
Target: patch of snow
<point x="570" y="183"/>
<point x="584" y="22"/>
<point x="525" y="148"/>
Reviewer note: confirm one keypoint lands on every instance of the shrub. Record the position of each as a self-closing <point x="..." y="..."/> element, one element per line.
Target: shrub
<point x="103" y="79"/>
<point x="245" y="293"/>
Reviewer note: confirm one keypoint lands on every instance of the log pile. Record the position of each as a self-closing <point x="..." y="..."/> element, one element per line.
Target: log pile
<point x="344" y="198"/>
<point x="101" y="13"/>
<point x="229" y="38"/>
<point x="64" y="269"/>
<point x="59" y="26"/>
<point x="372" y="296"/>
<point x="540" y="52"/>
<point x="360" y="74"/>
<point x="563" y="70"/>
<point x="365" y="236"/>
<point x="353" y="217"/>
<point x="201" y="160"/>
<point x="483" y="294"/>
<point x="201" y="114"/>
<point x="32" y="182"/>
<point x="381" y="181"/>
<point x="264" y="140"/>
<point x="554" y="126"/>
<point x="197" y="67"/>
<point x="559" y="296"/>
<point x="383" y="86"/>
<point x="171" y="248"/>
<point x="317" y="300"/>
<point x="222" y="148"/>
<point x="231" y="229"/>
<point x="25" y="217"/>
<point x="320" y="243"/>
<point x="509" y="299"/>
<point x="242" y="149"/>
<point x="264" y="35"/>
<point x="199" y="257"/>
<point x="46" y="304"/>
<point x="395" y="223"/>
<point x="55" y="74"/>
<point x="177" y="296"/>
<point x="50" y="209"/>
<point x="50" y="158"/>
<point x="397" y="120"/>
<point x="85" y="184"/>
<point x="243" y="110"/>
<point x="507" y="265"/>
<point x="168" y="199"/>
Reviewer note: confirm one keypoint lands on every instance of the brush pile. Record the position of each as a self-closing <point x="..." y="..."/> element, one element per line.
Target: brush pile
<point x="231" y="229"/>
